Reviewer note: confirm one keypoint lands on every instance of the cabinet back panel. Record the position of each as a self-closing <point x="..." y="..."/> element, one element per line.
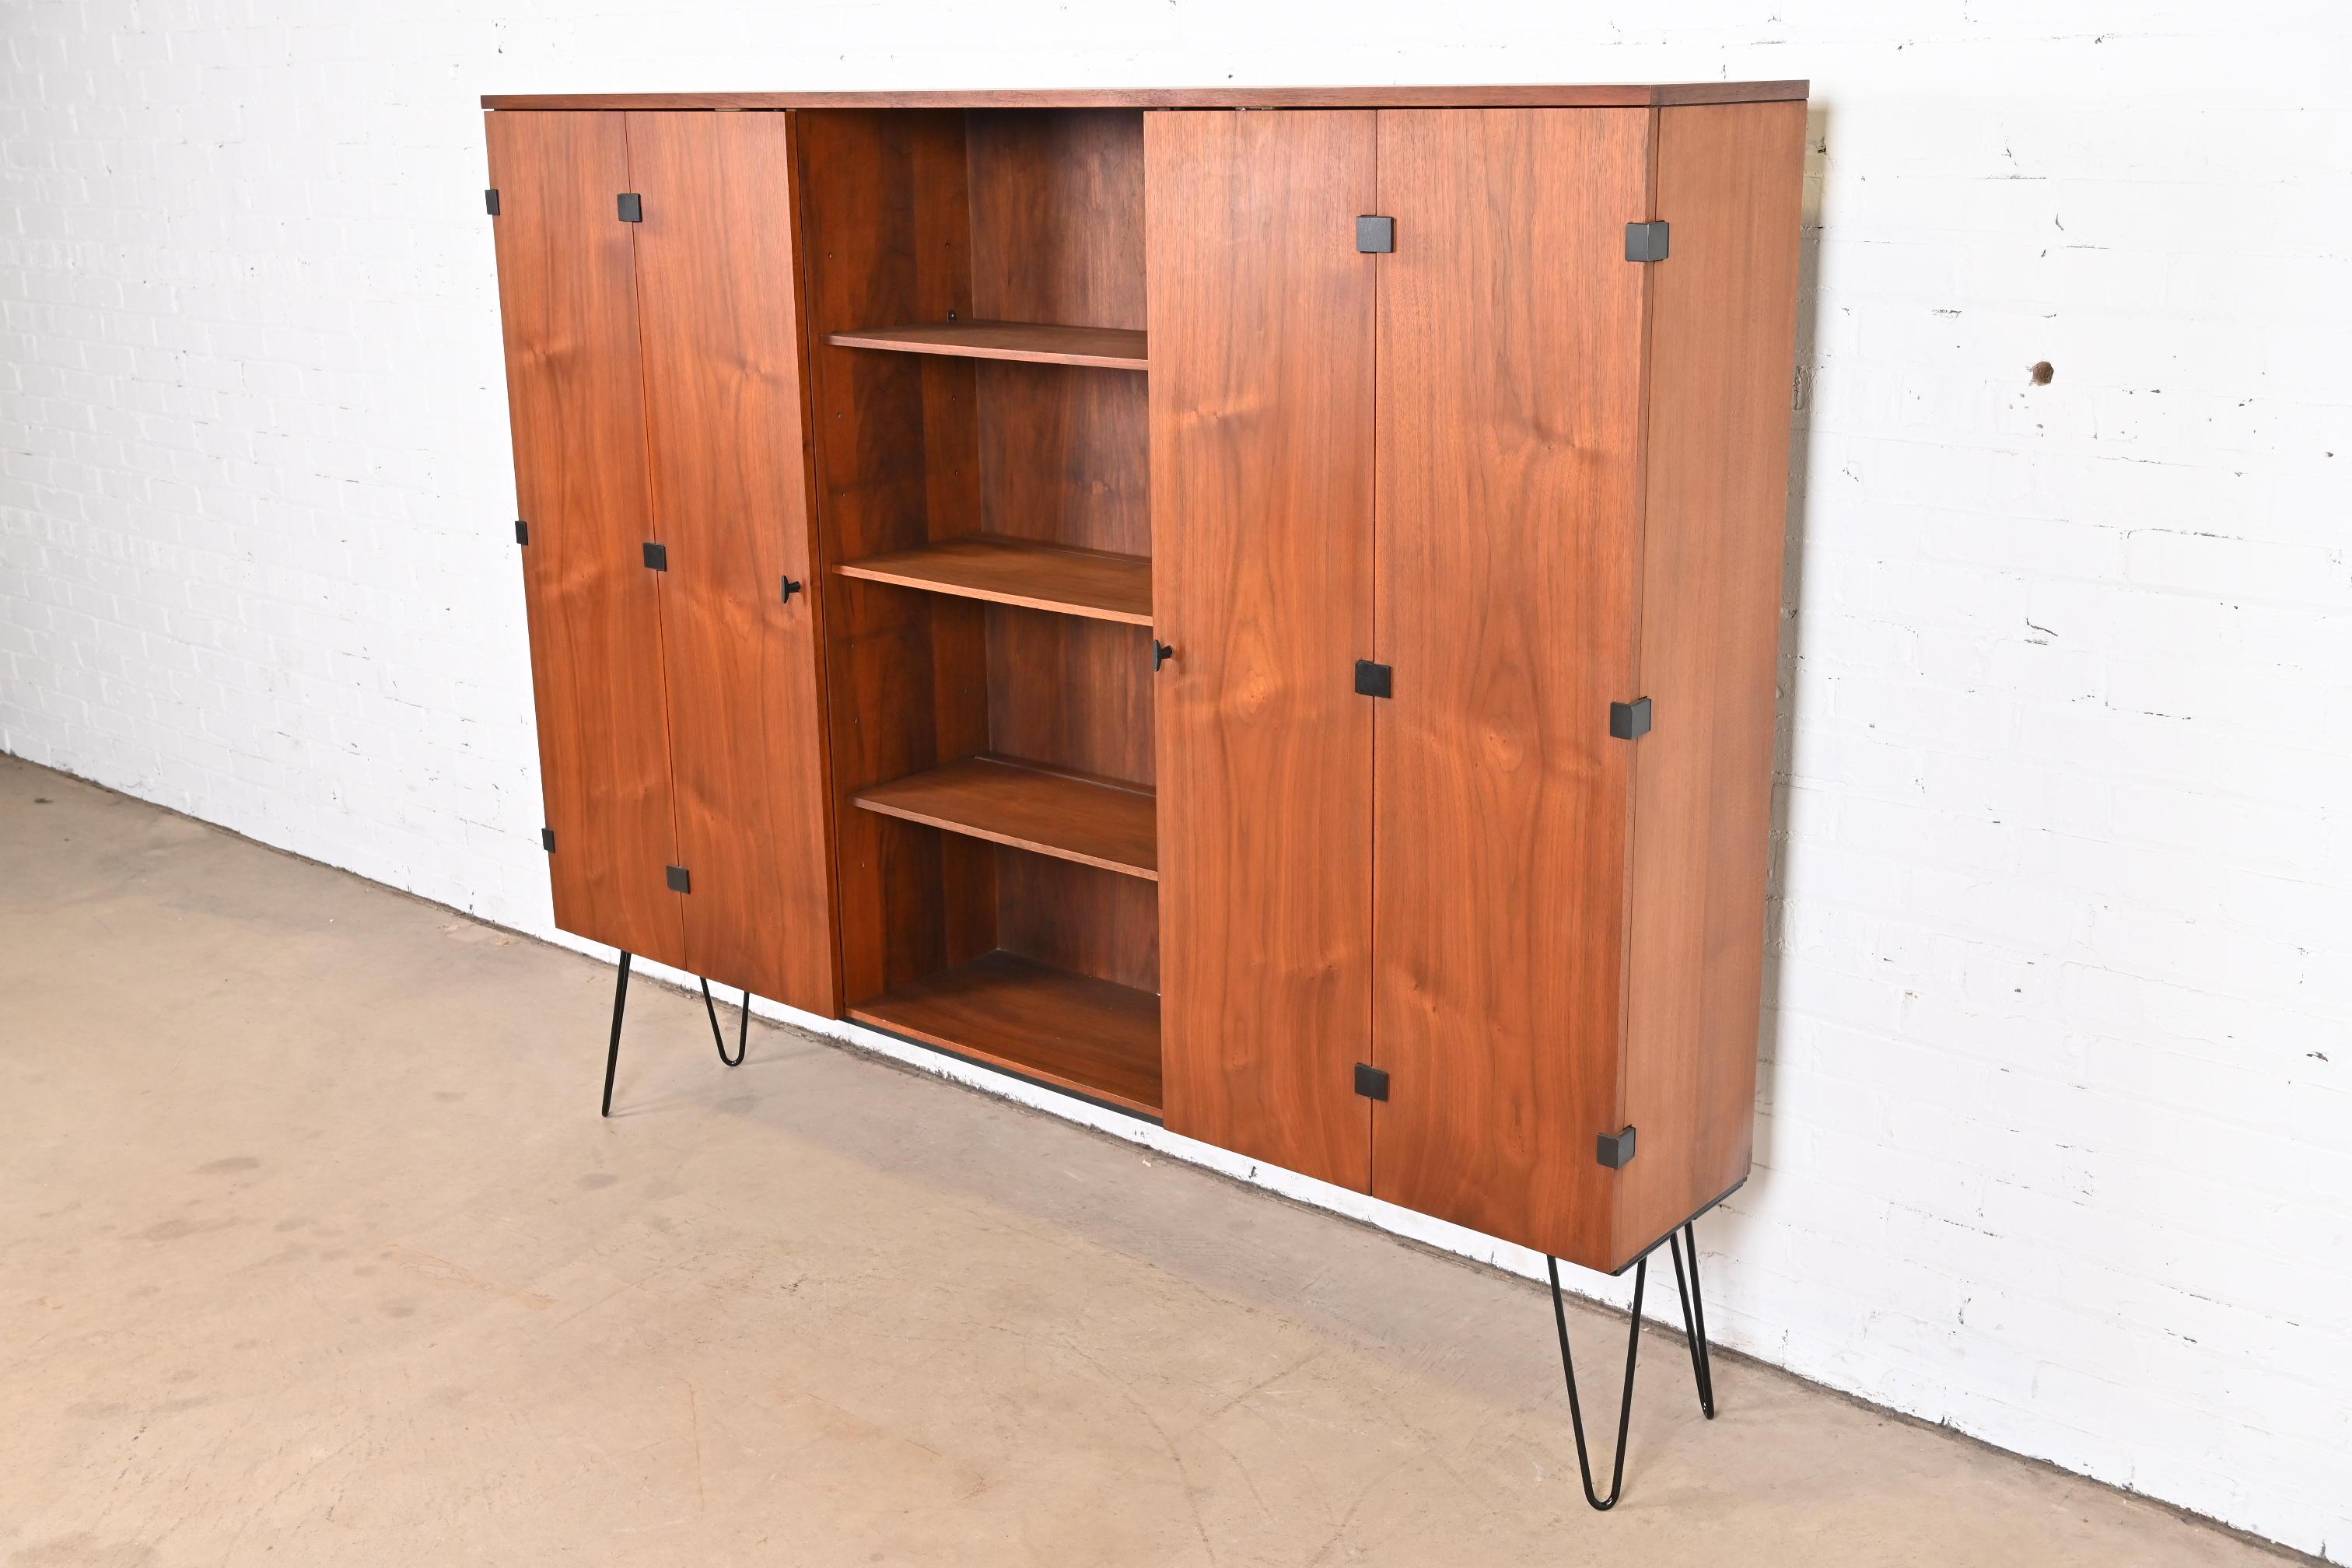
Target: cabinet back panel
<point x="1070" y="693"/>
<point x="1079" y="917"/>
<point x="1057" y="215"/>
<point x="1065" y="456"/>
<point x="1057" y="235"/>
<point x="1510" y="374"/>
<point x="567" y="296"/>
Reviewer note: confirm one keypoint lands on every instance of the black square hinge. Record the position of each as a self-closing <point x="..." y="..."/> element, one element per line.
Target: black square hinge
<point x="1617" y="1151"/>
<point x="1372" y="679"/>
<point x="547" y="839"/>
<point x="522" y="531"/>
<point x="1646" y="241"/>
<point x="633" y="207"/>
<point x="1371" y="1082"/>
<point x="658" y="557"/>
<point x="1376" y="235"/>
<point x="680" y="882"/>
<point x="491" y="200"/>
<point x="1630" y="720"/>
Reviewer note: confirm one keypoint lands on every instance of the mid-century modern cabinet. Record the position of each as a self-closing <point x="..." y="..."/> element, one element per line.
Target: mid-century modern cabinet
<point x="1258" y="608"/>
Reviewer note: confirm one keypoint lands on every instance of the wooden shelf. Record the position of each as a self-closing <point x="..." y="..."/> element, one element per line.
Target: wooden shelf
<point x="1069" y="1030"/>
<point x="1112" y="348"/>
<point x="1071" y="816"/>
<point x="1095" y="583"/>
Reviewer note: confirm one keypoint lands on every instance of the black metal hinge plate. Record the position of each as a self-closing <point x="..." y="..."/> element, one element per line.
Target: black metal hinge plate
<point x="1646" y="241"/>
<point x="1373" y="679"/>
<point x="522" y="531"/>
<point x="679" y="880"/>
<point x="657" y="556"/>
<point x="547" y="839"/>
<point x="1630" y="720"/>
<point x="633" y="207"/>
<point x="491" y="200"/>
<point x="1617" y="1150"/>
<point x="1371" y="1082"/>
<point x="1376" y="235"/>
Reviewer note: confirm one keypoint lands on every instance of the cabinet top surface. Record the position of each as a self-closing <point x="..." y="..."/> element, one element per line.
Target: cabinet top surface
<point x="1606" y="96"/>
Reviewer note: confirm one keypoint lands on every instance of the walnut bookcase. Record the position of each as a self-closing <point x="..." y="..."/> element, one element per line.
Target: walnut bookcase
<point x="1033" y="574"/>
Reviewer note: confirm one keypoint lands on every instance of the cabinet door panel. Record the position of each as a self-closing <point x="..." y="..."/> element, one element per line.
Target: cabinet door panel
<point x="1510" y="363"/>
<point x="566" y="293"/>
<point x="718" y="292"/>
<point x="1261" y="397"/>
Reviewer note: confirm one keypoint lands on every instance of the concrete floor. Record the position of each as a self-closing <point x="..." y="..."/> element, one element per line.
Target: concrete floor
<point x="313" y="1250"/>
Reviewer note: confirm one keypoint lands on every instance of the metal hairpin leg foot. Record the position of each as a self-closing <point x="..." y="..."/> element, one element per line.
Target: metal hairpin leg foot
<point x="742" y="1032"/>
<point x="1702" y="1373"/>
<point x="613" y="1051"/>
<point x="1694" y="1321"/>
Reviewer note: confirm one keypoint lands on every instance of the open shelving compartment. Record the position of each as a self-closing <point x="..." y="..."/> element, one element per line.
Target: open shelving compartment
<point x="975" y="294"/>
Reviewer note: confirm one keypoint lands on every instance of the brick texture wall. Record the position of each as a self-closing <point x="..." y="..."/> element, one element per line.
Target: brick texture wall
<point x="2057" y="1137"/>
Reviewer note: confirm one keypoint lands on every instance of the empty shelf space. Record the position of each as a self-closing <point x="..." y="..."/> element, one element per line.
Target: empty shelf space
<point x="1070" y="1030"/>
<point x="1068" y="815"/>
<point x="1112" y="348"/>
<point x="1090" y="583"/>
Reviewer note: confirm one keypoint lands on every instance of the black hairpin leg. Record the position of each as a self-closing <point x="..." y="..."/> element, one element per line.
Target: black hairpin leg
<point x="1694" y="1325"/>
<point x="719" y="1036"/>
<point x="1576" y="1409"/>
<point x="613" y="1051"/>
<point x="1694" y="1320"/>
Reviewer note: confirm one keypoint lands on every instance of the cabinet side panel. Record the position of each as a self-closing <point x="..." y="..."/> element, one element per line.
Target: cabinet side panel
<point x="886" y="222"/>
<point x="727" y="444"/>
<point x="1510" y="355"/>
<point x="1261" y="397"/>
<point x="566" y="294"/>
<point x="1722" y="340"/>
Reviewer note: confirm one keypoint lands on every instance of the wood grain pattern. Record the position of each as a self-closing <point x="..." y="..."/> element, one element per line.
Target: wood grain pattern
<point x="1057" y="235"/>
<point x="1073" y="693"/>
<point x="1092" y="821"/>
<point x="566" y="296"/>
<point x="1070" y="1030"/>
<point x="884" y="202"/>
<point x="1033" y="342"/>
<point x="920" y="679"/>
<point x="1261" y="424"/>
<point x="1722" y="340"/>
<point x="720" y="311"/>
<point x="1057" y="208"/>
<point x="1092" y="584"/>
<point x="1601" y="96"/>
<point x="1509" y="385"/>
<point x="1077" y="918"/>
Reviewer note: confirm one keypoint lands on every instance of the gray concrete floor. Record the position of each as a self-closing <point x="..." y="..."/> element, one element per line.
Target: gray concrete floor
<point x="313" y="1250"/>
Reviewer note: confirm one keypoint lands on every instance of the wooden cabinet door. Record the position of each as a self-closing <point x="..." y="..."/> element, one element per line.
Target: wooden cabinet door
<point x="1261" y="400"/>
<point x="1510" y="373"/>
<point x="567" y="294"/>
<point x="718" y="292"/>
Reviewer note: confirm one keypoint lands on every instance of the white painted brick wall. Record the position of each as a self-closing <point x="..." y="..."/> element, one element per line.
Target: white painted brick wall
<point x="2057" y="1140"/>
